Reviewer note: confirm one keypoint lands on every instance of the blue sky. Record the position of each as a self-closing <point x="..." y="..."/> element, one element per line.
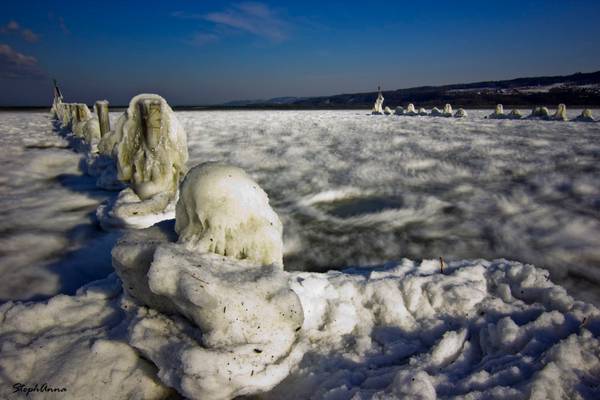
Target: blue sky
<point x="207" y="52"/>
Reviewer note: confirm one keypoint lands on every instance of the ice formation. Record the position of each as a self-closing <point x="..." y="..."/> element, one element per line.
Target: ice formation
<point x="222" y="210"/>
<point x="515" y="114"/>
<point x="410" y="110"/>
<point x="436" y="112"/>
<point x="399" y="110"/>
<point x="387" y="111"/>
<point x="81" y="115"/>
<point x="585" y="116"/>
<point x="151" y="152"/>
<point x="422" y="111"/>
<point x="447" y="111"/>
<point x="378" y="106"/>
<point x="460" y="113"/>
<point x="539" y="113"/>
<point x="561" y="113"/>
<point x="498" y="112"/>
<point x="243" y="316"/>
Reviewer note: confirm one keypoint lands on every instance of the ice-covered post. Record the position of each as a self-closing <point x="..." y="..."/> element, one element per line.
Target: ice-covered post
<point x="150" y="113"/>
<point x="104" y="121"/>
<point x="82" y="112"/>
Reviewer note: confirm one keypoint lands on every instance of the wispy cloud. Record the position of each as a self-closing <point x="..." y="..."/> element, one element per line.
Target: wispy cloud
<point x="257" y="19"/>
<point x="202" y="39"/>
<point x="15" y="65"/>
<point x="15" y="28"/>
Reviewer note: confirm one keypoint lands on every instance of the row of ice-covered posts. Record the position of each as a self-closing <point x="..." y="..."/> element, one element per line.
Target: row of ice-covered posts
<point x="541" y="113"/>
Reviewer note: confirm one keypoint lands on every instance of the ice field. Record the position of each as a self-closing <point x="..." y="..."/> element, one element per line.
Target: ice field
<point x="354" y="192"/>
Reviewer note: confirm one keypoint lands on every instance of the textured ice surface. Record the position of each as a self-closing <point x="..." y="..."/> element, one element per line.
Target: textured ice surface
<point x="222" y="210"/>
<point x="350" y="189"/>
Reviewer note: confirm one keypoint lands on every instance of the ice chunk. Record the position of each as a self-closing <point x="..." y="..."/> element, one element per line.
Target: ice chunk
<point x="539" y="113"/>
<point x="585" y="116"/>
<point x="460" y="113"/>
<point x="436" y="112"/>
<point x="243" y="324"/>
<point x="399" y="110"/>
<point x="561" y="113"/>
<point x="387" y="111"/>
<point x="422" y="111"/>
<point x="515" y="114"/>
<point x="222" y="210"/>
<point x="410" y="110"/>
<point x="498" y="113"/>
<point x="447" y="111"/>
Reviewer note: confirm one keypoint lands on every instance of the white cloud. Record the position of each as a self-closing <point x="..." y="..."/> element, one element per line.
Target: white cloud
<point x="15" y="65"/>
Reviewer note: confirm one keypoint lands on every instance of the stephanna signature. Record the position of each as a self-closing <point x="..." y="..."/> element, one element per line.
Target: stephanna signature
<point x="36" y="388"/>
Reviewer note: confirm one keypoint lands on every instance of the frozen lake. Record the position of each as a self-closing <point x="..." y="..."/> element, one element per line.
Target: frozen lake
<point x="351" y="189"/>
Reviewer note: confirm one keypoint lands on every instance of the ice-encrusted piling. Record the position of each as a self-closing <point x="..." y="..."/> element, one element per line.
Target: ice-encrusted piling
<point x="422" y="111"/>
<point x="447" y="111"/>
<point x="152" y="151"/>
<point x="561" y="113"/>
<point x="399" y="110"/>
<point x="378" y="106"/>
<point x="498" y="112"/>
<point x="103" y="119"/>
<point x="410" y="110"/>
<point x="585" y="116"/>
<point x="387" y="111"/>
<point x="222" y="210"/>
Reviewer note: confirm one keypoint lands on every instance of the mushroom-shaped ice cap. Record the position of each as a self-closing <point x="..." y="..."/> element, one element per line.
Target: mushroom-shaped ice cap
<point x="222" y="210"/>
<point x="586" y="116"/>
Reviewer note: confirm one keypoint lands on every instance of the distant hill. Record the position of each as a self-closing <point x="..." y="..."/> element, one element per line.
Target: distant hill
<point x="580" y="89"/>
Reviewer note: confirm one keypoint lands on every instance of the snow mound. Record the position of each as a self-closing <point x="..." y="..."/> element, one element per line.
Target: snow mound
<point x="436" y="112"/>
<point x="585" y="116"/>
<point x="460" y="113"/>
<point x="515" y="114"/>
<point x="222" y="210"/>
<point x="561" y="113"/>
<point x="539" y="113"/>
<point x="72" y="343"/>
<point x="498" y="112"/>
<point x="410" y="110"/>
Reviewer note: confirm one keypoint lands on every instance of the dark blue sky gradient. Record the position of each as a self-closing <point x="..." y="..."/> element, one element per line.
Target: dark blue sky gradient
<point x="206" y="52"/>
